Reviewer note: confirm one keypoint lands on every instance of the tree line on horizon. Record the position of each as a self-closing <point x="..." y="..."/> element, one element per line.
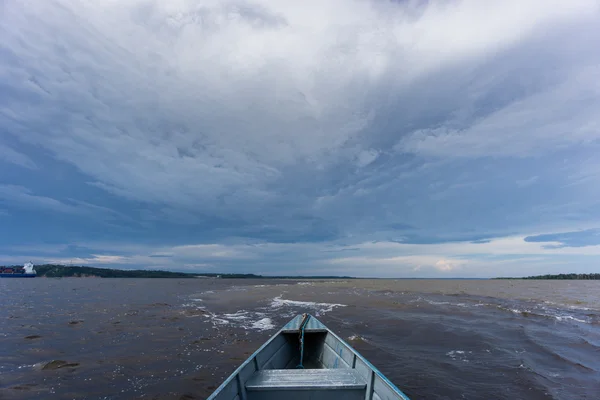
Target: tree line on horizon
<point x="64" y="271"/>
<point x="562" y="276"/>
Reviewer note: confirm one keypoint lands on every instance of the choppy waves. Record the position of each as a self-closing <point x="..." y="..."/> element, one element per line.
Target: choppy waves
<point x="293" y="305"/>
<point x="261" y="318"/>
<point x="545" y="309"/>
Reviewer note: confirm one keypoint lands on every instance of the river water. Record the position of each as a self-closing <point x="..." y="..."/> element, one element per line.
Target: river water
<point x="178" y="339"/>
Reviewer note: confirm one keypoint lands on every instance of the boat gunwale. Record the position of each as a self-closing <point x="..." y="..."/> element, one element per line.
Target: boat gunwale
<point x="235" y="373"/>
<point x="389" y="383"/>
<point x="241" y="367"/>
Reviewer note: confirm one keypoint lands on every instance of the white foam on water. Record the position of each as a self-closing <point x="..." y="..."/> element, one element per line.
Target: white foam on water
<point x="449" y="303"/>
<point x="216" y="320"/>
<point x="193" y="305"/>
<point x="571" y="306"/>
<point x="459" y="355"/>
<point x="355" y="338"/>
<point x="580" y="308"/>
<point x="238" y="316"/>
<point x="248" y="320"/>
<point x="305" y="283"/>
<point x="517" y="311"/>
<point x="462" y="305"/>
<point x="263" y="324"/>
<point x="437" y="303"/>
<point x="243" y="319"/>
<point x="259" y="319"/>
<point x="541" y="311"/>
<point x="318" y="308"/>
<point x="571" y="318"/>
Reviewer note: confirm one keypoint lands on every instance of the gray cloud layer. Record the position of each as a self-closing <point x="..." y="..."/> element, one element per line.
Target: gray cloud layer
<point x="279" y="121"/>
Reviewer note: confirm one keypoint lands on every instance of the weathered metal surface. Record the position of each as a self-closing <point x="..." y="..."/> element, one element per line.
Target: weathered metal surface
<point x="229" y="389"/>
<point x="340" y="372"/>
<point x="305" y="379"/>
<point x="313" y="325"/>
<point x="265" y="357"/>
<point x="379" y="380"/>
<point x="315" y="394"/>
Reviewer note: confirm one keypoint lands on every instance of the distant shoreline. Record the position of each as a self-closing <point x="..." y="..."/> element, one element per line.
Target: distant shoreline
<point x="561" y="277"/>
<point x="64" y="271"/>
<point x="67" y="271"/>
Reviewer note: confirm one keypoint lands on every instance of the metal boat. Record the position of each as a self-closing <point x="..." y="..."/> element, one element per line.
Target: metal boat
<point x="306" y="360"/>
<point x="27" y="271"/>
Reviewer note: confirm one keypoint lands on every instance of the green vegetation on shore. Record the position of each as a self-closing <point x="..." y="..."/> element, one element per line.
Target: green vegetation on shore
<point x="562" y="276"/>
<point x="64" y="271"/>
<point x="61" y="271"/>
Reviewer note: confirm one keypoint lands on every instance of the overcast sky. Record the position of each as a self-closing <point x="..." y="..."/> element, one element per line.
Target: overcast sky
<point x="363" y="137"/>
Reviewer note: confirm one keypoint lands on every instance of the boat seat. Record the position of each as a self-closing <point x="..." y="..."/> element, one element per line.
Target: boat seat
<point x="305" y="379"/>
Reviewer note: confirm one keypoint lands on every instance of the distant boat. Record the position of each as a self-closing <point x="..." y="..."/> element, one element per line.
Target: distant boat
<point x="305" y="360"/>
<point x="26" y="271"/>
